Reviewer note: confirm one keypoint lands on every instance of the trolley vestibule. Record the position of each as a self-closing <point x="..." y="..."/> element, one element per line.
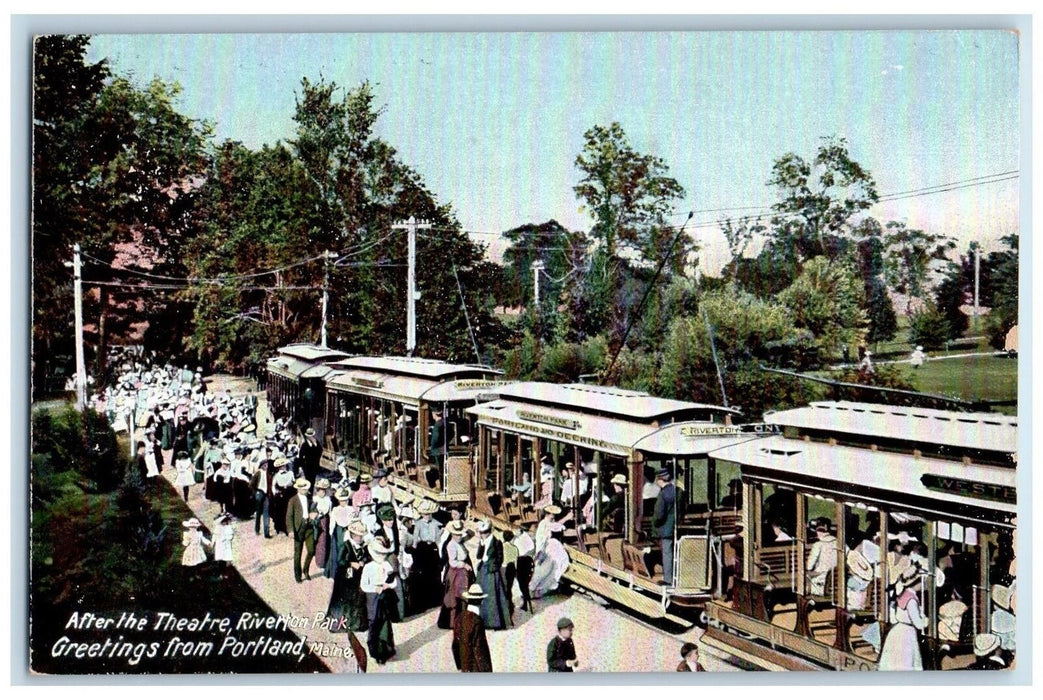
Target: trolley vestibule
<point x="833" y="518"/>
<point x="616" y="441"/>
<point x="296" y="387"/>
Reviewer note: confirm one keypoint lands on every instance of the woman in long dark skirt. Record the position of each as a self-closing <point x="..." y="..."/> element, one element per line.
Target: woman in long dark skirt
<point x="347" y="600"/>
<point x="340" y="518"/>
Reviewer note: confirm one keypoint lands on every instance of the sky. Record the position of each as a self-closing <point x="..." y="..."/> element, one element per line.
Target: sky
<point x="494" y="121"/>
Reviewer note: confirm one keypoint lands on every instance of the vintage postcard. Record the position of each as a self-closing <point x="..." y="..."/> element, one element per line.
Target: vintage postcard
<point x="508" y="352"/>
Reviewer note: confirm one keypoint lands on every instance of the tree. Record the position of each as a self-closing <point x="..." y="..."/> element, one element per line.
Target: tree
<point x="929" y="327"/>
<point x="949" y="298"/>
<point x="912" y="258"/>
<point x="880" y="314"/>
<point x="628" y="193"/>
<point x="745" y="331"/>
<point x="1004" y="314"/>
<point x="819" y="199"/>
<point x="117" y="169"/>
<point x="66" y="89"/>
<point x="828" y="300"/>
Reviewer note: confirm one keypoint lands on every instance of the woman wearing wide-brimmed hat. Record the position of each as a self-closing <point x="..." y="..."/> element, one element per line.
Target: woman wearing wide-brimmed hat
<point x="470" y="647"/>
<point x="427" y="562"/>
<point x="193" y="540"/>
<point x="341" y="516"/>
<point x="459" y="573"/>
<point x="551" y="559"/>
<point x="379" y="585"/>
<point x="321" y="505"/>
<point x="347" y="600"/>
<point x="901" y="650"/>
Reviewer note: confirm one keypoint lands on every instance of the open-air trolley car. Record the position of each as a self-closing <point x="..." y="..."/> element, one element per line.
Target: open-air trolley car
<point x="838" y="506"/>
<point x="406" y="416"/>
<point x="534" y="429"/>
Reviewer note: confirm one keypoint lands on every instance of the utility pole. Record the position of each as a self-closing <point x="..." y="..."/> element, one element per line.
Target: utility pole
<point x="977" y="282"/>
<point x="537" y="268"/>
<point x="411" y="228"/>
<point x="81" y="371"/>
<point x="326" y="255"/>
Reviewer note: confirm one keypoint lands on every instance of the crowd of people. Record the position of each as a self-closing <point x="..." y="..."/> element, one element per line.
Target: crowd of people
<point x="389" y="556"/>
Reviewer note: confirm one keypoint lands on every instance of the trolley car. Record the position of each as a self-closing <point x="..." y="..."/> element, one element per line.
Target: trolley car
<point x="296" y="387"/>
<point x="835" y="509"/>
<point x="406" y="416"/>
<point x="609" y="436"/>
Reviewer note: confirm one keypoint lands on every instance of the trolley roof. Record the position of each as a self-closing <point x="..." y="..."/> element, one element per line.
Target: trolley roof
<point x="408" y="389"/>
<point x="610" y="434"/>
<point x="312" y="353"/>
<point x="953" y="489"/>
<point x="289" y="367"/>
<point x="416" y="367"/>
<point x="609" y="401"/>
<point x="969" y="431"/>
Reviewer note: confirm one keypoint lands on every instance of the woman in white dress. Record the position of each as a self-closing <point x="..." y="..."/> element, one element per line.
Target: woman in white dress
<point x="224" y="535"/>
<point x="551" y="559"/>
<point x="901" y="650"/>
<point x="193" y="540"/>
<point x="151" y="466"/>
<point x="185" y="473"/>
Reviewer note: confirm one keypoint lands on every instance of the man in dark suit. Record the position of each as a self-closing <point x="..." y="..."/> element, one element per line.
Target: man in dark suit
<point x="299" y="522"/>
<point x="470" y="647"/>
<point x="261" y="486"/>
<point x="664" y="517"/>
<point x="310" y="455"/>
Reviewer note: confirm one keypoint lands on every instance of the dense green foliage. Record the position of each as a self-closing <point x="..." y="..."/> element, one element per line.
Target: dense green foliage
<point x="224" y="252"/>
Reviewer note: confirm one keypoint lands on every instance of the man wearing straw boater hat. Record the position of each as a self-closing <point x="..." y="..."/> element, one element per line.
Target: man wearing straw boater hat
<point x="470" y="647"/>
<point x="496" y="614"/>
<point x="379" y="584"/>
<point x="299" y="517"/>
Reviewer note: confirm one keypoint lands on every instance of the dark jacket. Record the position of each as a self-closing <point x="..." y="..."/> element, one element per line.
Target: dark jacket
<point x="297" y="521"/>
<point x="470" y="647"/>
<point x="665" y="515"/>
<point x="558" y="652"/>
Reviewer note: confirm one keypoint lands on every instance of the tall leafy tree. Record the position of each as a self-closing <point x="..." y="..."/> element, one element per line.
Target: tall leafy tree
<point x="628" y="193"/>
<point x="914" y="259"/>
<point x="819" y="200"/>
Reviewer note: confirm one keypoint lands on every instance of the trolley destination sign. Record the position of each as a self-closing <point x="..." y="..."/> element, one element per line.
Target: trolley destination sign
<point x="972" y="489"/>
<point x="752" y="428"/>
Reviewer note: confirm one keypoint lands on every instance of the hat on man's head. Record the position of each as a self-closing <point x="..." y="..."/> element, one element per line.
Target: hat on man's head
<point x="619" y="480"/>
<point x="386" y="512"/>
<point x="310" y="432"/>
<point x="475" y="592"/>
<point x="552" y="509"/>
<point x="665" y="474"/>
<point x="426" y="507"/>
<point x="365" y="479"/>
<point x="380" y="474"/>
<point x="281" y="462"/>
<point x="565" y="623"/>
<point x="302" y="484"/>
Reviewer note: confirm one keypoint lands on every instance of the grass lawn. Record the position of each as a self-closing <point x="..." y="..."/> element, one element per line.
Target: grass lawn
<point x="971" y="378"/>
